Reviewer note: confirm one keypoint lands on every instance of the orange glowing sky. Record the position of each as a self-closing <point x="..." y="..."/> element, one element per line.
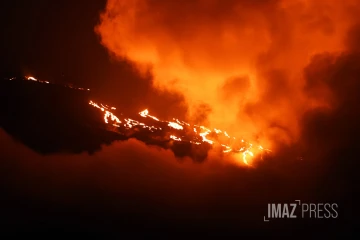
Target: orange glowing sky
<point x="238" y="62"/>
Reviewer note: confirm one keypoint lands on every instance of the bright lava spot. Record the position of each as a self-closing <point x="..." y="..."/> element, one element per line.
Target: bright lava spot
<point x="175" y="125"/>
<point x="31" y="78"/>
<point x="175" y="138"/>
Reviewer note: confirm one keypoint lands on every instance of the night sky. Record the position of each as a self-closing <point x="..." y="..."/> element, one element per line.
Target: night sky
<point x="57" y="42"/>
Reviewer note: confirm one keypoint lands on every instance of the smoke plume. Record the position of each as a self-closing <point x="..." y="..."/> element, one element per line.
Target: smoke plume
<point x="239" y="63"/>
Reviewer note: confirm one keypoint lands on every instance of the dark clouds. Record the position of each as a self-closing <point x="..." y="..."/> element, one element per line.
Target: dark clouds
<point x="336" y="126"/>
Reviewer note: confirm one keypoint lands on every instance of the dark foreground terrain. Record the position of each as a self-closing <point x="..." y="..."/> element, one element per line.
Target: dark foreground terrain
<point x="62" y="171"/>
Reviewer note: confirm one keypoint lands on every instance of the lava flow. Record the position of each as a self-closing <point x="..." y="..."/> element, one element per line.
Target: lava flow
<point x="149" y="128"/>
<point x="181" y="131"/>
<point x="30" y="78"/>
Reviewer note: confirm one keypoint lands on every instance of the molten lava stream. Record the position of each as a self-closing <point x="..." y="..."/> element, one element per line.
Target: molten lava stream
<point x="181" y="131"/>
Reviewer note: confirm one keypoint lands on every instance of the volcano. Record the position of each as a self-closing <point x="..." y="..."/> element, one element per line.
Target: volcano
<point x="52" y="118"/>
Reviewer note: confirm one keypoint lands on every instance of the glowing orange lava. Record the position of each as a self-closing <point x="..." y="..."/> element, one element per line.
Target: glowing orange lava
<point x="201" y="133"/>
<point x="179" y="131"/>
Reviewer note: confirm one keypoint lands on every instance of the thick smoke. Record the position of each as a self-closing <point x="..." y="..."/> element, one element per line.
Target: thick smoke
<point x="239" y="63"/>
<point x="334" y="130"/>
